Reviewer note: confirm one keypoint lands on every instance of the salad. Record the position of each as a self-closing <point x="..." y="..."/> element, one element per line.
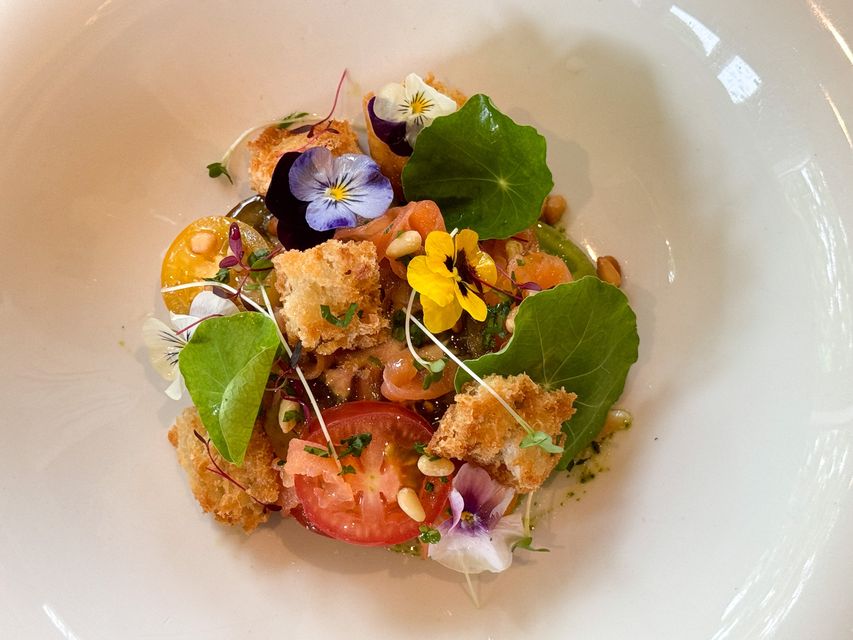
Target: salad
<point x="395" y="348"/>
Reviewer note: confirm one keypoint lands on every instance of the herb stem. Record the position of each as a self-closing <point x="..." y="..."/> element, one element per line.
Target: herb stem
<point x="521" y="421"/>
<point x="221" y="285"/>
<point x="408" y="332"/>
<point x="304" y="382"/>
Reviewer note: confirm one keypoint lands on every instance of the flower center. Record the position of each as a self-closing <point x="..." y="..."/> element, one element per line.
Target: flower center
<point x="336" y="192"/>
<point x="419" y="104"/>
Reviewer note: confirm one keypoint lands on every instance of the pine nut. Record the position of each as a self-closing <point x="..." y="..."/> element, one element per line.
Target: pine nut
<point x="287" y="424"/>
<point x="203" y="243"/>
<point x="435" y="468"/>
<point x="411" y="504"/>
<point x="609" y="270"/>
<point x="553" y="209"/>
<point x="405" y="244"/>
<point x="513" y="249"/>
<point x="616" y="419"/>
<point x="510" y="320"/>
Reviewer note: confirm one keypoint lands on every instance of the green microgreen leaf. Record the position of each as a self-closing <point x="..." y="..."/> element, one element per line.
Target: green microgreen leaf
<point x="542" y="440"/>
<point x="216" y="169"/>
<point x="428" y="534"/>
<point x="226" y="365"/>
<point x="429" y="486"/>
<point x="484" y="171"/>
<point x="580" y="336"/>
<point x="342" y="321"/>
<point x="419" y="447"/>
<point x="354" y="445"/>
<point x="526" y="544"/>
<point x="222" y="276"/>
<point x="346" y="469"/>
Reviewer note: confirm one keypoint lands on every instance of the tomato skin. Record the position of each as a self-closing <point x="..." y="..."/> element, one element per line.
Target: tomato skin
<point x="182" y="264"/>
<point x="372" y="518"/>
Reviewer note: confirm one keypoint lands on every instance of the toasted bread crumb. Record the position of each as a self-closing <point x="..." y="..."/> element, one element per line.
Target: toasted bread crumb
<point x="478" y="429"/>
<point x="333" y="274"/>
<point x="226" y="501"/>
<point x="338" y="137"/>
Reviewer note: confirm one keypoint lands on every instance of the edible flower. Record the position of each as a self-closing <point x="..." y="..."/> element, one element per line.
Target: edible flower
<point x="413" y="103"/>
<point x="165" y="343"/>
<point x="339" y="189"/>
<point x="450" y="278"/>
<point x="478" y="537"/>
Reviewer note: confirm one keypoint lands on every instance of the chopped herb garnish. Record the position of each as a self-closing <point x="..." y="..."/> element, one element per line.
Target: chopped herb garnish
<point x="398" y="330"/>
<point x="346" y="469"/>
<point x="420" y="448"/>
<point x="342" y="321"/>
<point x="495" y="326"/>
<point x="444" y="480"/>
<point x="294" y="415"/>
<point x="354" y="445"/>
<point x="290" y="119"/>
<point x="376" y="362"/>
<point x="429" y="486"/>
<point x="317" y="451"/>
<point x="428" y="534"/>
<point x="280" y="463"/>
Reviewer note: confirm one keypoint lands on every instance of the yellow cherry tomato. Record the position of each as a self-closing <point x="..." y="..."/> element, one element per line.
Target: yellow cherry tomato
<point x="195" y="254"/>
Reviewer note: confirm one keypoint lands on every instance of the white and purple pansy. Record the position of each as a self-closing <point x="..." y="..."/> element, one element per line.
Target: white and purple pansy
<point x="399" y="112"/>
<point x="339" y="189"/>
<point x="478" y="536"/>
<point x="164" y="343"/>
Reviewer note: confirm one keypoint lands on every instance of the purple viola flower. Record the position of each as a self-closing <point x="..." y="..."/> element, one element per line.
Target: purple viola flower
<point x="478" y="537"/>
<point x="339" y="189"/>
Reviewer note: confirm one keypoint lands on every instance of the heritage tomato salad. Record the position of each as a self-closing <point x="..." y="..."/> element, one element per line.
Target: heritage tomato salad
<point x="395" y="347"/>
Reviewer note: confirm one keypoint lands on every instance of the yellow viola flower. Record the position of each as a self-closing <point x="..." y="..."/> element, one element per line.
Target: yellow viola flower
<point x="451" y="277"/>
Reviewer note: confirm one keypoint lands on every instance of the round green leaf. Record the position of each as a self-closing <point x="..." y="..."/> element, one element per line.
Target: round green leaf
<point x="484" y="171"/>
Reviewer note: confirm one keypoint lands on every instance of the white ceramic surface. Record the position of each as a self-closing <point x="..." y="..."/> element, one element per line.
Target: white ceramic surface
<point x="706" y="143"/>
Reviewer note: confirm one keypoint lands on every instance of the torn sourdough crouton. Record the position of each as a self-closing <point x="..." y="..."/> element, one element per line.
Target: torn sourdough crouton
<point x="228" y="502"/>
<point x="390" y="164"/>
<point x="476" y="428"/>
<point x="327" y="280"/>
<point x="336" y="135"/>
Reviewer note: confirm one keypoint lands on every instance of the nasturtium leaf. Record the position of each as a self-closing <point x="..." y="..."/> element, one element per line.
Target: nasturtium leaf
<point x="225" y="366"/>
<point x="581" y="336"/>
<point x="484" y="171"/>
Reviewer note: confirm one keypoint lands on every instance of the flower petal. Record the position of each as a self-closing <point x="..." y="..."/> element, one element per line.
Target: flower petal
<point x="323" y="215"/>
<point x="472" y="553"/>
<point x="208" y="303"/>
<point x="163" y="345"/>
<point x="391" y="133"/>
<point x="478" y="261"/>
<point x="440" y="318"/>
<point x="439" y="244"/>
<point x="471" y="302"/>
<point x="176" y="390"/>
<point x="390" y="103"/>
<point x="311" y="173"/>
<point x="368" y="192"/>
<point x="423" y="279"/>
<point x="483" y="496"/>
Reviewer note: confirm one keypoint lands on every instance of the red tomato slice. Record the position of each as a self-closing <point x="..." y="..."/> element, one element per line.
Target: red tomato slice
<point x="361" y="508"/>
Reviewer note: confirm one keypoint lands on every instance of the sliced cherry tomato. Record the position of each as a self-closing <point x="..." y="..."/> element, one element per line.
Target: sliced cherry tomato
<point x="195" y="254"/>
<point x="361" y="507"/>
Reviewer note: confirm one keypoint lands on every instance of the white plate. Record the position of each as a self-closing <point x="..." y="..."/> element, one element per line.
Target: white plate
<point x="706" y="144"/>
